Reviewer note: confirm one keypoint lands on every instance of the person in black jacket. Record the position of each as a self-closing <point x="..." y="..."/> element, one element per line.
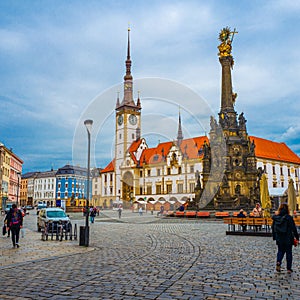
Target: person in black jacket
<point x="284" y="231"/>
<point x="15" y="223"/>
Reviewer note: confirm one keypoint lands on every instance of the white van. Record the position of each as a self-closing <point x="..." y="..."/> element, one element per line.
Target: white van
<point x="54" y="215"/>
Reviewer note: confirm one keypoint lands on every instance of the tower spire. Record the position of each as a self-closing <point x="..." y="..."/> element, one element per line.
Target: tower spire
<point x="128" y="83"/>
<point x="128" y="75"/>
<point x="179" y="133"/>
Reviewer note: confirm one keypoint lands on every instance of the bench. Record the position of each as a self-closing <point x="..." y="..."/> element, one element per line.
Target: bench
<point x="179" y="214"/>
<point x="203" y="214"/>
<point x="190" y="214"/>
<point x="222" y="214"/>
<point x="235" y="213"/>
<point x="261" y="226"/>
<point x="169" y="214"/>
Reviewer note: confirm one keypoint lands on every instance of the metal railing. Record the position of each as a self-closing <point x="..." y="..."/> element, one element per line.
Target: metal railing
<point x="59" y="231"/>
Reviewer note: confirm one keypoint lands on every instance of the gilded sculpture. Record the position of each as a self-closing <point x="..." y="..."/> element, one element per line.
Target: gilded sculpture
<point x="226" y="38"/>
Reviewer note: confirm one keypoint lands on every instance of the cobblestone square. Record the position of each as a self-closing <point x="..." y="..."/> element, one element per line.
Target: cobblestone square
<point x="145" y="257"/>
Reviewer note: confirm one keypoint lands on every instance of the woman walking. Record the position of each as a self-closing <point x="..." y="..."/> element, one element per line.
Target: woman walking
<point x="15" y="223"/>
<point x="284" y="231"/>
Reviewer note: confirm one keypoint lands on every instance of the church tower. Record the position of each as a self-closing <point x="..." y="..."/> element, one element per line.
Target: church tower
<point x="230" y="150"/>
<point x="128" y="120"/>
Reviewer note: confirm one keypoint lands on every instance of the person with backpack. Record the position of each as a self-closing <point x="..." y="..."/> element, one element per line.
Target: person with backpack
<point x="284" y="231"/>
<point x="15" y="223"/>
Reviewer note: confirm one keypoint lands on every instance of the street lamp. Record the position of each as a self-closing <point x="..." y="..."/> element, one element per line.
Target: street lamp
<point x="2" y="202"/>
<point x="88" y="124"/>
<point x="18" y="174"/>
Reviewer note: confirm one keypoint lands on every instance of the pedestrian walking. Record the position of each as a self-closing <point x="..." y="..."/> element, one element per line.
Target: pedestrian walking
<point x="92" y="215"/>
<point x="284" y="232"/>
<point x="140" y="211"/>
<point x="161" y="211"/>
<point x="120" y="211"/>
<point x="15" y="223"/>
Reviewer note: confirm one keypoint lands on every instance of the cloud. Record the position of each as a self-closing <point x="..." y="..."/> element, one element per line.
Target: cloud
<point x="56" y="58"/>
<point x="292" y="133"/>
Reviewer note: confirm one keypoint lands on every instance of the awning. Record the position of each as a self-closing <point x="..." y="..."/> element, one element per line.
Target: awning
<point x="142" y="201"/>
<point x="171" y="201"/>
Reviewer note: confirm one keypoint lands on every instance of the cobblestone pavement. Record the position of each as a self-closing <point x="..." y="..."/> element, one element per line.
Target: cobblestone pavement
<point x="145" y="257"/>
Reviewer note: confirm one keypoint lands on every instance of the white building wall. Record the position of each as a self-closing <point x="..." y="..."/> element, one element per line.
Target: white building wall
<point x="289" y="171"/>
<point x="44" y="190"/>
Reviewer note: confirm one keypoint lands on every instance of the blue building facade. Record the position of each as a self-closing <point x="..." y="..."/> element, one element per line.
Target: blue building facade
<point x="71" y="186"/>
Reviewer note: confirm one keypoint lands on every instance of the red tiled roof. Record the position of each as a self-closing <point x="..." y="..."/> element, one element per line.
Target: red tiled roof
<point x="110" y="167"/>
<point x="155" y="155"/>
<point x="191" y="147"/>
<point x="134" y="146"/>
<point x="274" y="151"/>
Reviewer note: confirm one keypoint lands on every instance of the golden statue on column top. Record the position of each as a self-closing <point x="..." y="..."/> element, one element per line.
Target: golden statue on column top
<point x="226" y="38"/>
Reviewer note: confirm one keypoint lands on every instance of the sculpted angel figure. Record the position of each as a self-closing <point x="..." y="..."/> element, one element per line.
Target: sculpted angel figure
<point x="226" y="37"/>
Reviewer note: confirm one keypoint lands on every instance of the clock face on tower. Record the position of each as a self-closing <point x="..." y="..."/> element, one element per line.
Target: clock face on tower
<point x="120" y="120"/>
<point x="132" y="119"/>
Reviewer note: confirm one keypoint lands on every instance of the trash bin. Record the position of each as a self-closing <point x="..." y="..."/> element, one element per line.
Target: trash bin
<point x="82" y="236"/>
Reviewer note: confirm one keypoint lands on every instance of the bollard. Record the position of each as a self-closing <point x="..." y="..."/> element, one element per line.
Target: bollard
<point x="82" y="236"/>
<point x="70" y="231"/>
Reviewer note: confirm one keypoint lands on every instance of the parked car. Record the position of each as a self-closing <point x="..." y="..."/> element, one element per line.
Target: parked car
<point x="40" y="206"/>
<point x="8" y="207"/>
<point x="55" y="216"/>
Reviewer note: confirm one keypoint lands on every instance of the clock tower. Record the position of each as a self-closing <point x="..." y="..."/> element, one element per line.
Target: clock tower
<point x="128" y="121"/>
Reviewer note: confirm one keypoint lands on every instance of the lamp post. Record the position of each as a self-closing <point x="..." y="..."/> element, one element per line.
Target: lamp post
<point x="88" y="124"/>
<point x="18" y="174"/>
<point x="2" y="204"/>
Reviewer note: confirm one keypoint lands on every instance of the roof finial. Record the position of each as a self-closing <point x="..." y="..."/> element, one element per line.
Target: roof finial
<point x="128" y="48"/>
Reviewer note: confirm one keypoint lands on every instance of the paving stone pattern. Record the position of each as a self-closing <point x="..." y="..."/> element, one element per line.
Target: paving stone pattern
<point x="145" y="258"/>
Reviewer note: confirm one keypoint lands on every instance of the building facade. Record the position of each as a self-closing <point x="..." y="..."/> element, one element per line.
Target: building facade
<point x="96" y="186"/>
<point x="27" y="188"/>
<point x="71" y="186"/>
<point x="45" y="188"/>
<point x="10" y="175"/>
<point x="279" y="163"/>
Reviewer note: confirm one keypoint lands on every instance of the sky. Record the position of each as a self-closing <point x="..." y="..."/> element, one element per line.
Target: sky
<point x="64" y="61"/>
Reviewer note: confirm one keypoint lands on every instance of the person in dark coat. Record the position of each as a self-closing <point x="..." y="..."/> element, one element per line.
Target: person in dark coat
<point x="284" y="231"/>
<point x="92" y="215"/>
<point x="15" y="223"/>
<point x="241" y="214"/>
